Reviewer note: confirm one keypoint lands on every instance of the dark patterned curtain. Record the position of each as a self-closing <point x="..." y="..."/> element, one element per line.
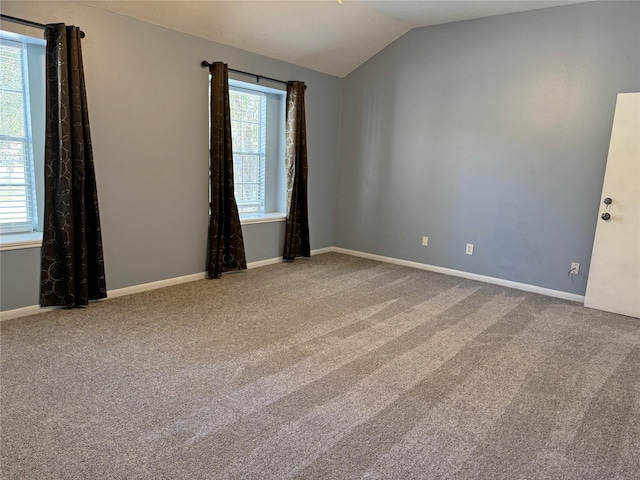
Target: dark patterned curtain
<point x="72" y="262"/>
<point x="226" y="246"/>
<point x="296" y="238"/>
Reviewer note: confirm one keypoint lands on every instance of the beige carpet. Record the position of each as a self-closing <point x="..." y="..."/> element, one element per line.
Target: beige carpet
<point x="335" y="367"/>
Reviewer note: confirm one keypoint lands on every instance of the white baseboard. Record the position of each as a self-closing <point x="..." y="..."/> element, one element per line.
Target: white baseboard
<point x="273" y="261"/>
<point x="119" y="292"/>
<point x="471" y="276"/>
<point x="264" y="263"/>
<point x="143" y="287"/>
<point x="25" y="312"/>
<point x="319" y="251"/>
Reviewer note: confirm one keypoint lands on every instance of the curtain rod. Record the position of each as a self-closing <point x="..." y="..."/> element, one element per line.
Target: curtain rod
<point x="205" y="64"/>
<point x="28" y="23"/>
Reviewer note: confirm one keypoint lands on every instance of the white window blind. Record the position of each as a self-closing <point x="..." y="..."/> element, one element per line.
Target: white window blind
<point x="248" y="133"/>
<point x="17" y="189"/>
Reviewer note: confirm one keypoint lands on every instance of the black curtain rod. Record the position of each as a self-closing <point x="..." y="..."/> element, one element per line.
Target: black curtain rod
<point x="28" y="23"/>
<point x="205" y="64"/>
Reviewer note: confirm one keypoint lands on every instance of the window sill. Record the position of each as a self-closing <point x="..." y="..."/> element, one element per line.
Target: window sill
<point x="19" y="241"/>
<point x="264" y="218"/>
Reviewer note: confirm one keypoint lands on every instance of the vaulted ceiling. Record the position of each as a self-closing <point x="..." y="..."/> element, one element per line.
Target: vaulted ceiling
<point x="322" y="35"/>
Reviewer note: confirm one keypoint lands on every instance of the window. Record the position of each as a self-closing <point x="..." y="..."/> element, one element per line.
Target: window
<point x="248" y="133"/>
<point x="258" y="131"/>
<point x="22" y="91"/>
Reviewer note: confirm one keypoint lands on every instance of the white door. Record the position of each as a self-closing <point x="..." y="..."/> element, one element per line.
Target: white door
<point x="614" y="274"/>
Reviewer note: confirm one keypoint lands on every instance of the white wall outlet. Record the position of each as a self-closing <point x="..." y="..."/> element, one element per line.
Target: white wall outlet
<point x="469" y="250"/>
<point x="575" y="268"/>
<point x="425" y="241"/>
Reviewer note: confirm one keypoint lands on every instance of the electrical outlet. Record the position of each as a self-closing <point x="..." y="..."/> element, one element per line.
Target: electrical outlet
<point x="425" y="241"/>
<point x="469" y="249"/>
<point x="575" y="268"/>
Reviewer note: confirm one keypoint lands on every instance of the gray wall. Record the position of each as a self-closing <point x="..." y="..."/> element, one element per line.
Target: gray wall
<point x="148" y="110"/>
<point x="493" y="132"/>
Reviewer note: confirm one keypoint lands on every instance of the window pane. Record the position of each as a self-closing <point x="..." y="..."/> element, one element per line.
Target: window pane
<point x="12" y="152"/>
<point x="10" y="67"/>
<point x="13" y="204"/>
<point x="247" y="129"/>
<point x="14" y="179"/>
<point x="244" y="107"/>
<point x="246" y="137"/>
<point x="246" y="169"/>
<point x="12" y="114"/>
<point x="17" y="207"/>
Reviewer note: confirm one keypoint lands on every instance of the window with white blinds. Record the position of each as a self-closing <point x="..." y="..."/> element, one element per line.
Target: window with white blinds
<point x="248" y="132"/>
<point x="17" y="187"/>
<point x="257" y="133"/>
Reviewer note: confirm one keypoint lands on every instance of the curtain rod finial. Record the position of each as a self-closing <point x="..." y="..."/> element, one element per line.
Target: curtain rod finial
<point x="204" y="64"/>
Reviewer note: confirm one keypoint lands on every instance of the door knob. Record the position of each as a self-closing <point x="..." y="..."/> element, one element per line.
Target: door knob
<point x="607" y="201"/>
<point x="605" y="216"/>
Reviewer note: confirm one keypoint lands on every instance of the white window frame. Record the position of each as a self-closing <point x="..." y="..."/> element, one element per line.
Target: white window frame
<point x="260" y="154"/>
<point x="31" y="223"/>
<point x="20" y="235"/>
<point x="273" y="179"/>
